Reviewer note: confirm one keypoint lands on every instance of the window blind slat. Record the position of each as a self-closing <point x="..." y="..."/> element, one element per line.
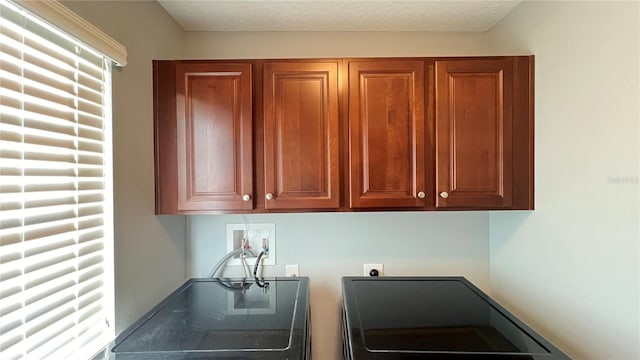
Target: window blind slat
<point x="11" y="332"/>
<point x="13" y="83"/>
<point x="12" y="347"/>
<point x="47" y="350"/>
<point x="54" y="322"/>
<point x="86" y="333"/>
<point x="34" y="70"/>
<point x="59" y="45"/>
<point x="87" y="336"/>
<point x="66" y="351"/>
<point x="10" y="306"/>
<point x="91" y="311"/>
<point x="13" y="72"/>
<point x="91" y="229"/>
<point x="54" y="192"/>
<point x="44" y="302"/>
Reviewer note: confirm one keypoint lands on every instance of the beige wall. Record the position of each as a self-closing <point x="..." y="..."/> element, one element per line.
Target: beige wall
<point x="229" y="45"/>
<point x="149" y="251"/>
<point x="328" y="246"/>
<point x="570" y="268"/>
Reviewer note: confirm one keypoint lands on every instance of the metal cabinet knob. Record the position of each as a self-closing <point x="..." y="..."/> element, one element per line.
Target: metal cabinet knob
<point x="421" y="195"/>
<point x="269" y="196"/>
<point x="246" y="197"/>
<point x="444" y="194"/>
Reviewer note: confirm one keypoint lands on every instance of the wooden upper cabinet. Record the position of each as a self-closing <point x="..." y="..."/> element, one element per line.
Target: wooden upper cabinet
<point x="214" y="136"/>
<point x="344" y="134"/>
<point x="301" y="159"/>
<point x="475" y="123"/>
<point x="386" y="134"/>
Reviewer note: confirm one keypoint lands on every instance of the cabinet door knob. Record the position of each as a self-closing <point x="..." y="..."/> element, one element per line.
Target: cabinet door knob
<point x="269" y="196"/>
<point x="421" y="195"/>
<point x="444" y="194"/>
<point x="246" y="197"/>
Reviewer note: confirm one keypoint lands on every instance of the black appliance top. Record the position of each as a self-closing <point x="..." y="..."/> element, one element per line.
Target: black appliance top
<point x="433" y="317"/>
<point x="221" y="318"/>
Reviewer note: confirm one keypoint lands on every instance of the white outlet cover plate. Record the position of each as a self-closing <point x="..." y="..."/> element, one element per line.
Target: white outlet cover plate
<point x="292" y="270"/>
<point x="257" y="232"/>
<point x="369" y="267"/>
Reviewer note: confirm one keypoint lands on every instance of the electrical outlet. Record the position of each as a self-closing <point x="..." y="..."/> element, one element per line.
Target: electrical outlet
<point x="292" y="270"/>
<point x="259" y="236"/>
<point x="369" y="269"/>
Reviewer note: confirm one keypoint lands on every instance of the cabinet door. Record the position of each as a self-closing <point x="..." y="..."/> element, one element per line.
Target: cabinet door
<point x="386" y="134"/>
<point x="301" y="135"/>
<point x="214" y="130"/>
<point x="474" y="133"/>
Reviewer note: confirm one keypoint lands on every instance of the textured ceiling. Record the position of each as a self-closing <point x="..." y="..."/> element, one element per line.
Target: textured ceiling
<point x="344" y="15"/>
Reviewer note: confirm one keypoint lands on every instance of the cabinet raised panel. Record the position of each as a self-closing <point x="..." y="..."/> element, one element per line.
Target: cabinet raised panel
<point x="474" y="133"/>
<point x="301" y="135"/>
<point x="214" y="136"/>
<point x="386" y="134"/>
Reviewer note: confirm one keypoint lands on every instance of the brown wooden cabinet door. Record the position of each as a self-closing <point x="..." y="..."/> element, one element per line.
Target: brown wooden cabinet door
<point x="474" y="133"/>
<point x="386" y="134"/>
<point x="301" y="159"/>
<point x="214" y="131"/>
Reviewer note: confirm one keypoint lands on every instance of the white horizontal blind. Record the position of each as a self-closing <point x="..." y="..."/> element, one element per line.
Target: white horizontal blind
<point x="55" y="192"/>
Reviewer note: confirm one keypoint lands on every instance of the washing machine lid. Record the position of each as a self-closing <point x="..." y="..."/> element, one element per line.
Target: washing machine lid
<point x="209" y="316"/>
<point x="433" y="316"/>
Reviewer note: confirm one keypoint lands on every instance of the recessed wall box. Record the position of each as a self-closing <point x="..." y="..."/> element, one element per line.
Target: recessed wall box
<point x="259" y="237"/>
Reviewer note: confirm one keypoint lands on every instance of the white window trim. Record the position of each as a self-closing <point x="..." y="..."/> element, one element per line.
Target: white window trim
<point x="54" y="12"/>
